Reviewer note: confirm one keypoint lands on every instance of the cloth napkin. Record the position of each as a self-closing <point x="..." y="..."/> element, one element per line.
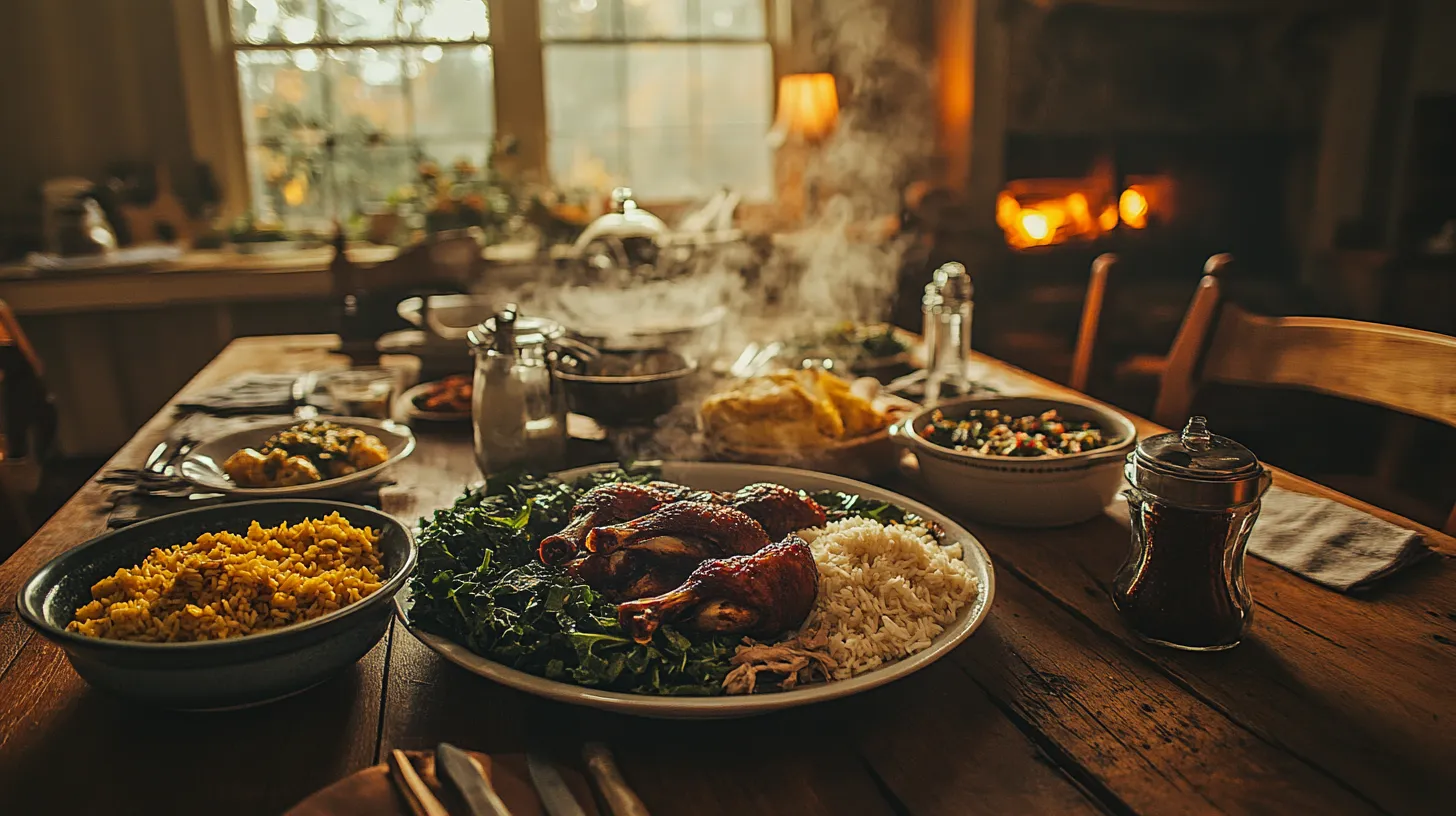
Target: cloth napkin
<point x="254" y="394"/>
<point x="1330" y="543"/>
<point x="1321" y="540"/>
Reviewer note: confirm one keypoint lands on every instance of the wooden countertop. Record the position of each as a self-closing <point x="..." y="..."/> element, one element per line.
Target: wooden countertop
<point x="199" y="276"/>
<point x="1333" y="703"/>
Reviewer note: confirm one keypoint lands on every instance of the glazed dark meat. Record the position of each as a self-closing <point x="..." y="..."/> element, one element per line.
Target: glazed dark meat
<point x="605" y="504"/>
<point x="777" y="508"/>
<point x="626" y="575"/>
<point x="765" y="593"/>
<point x="672" y="491"/>
<point x="685" y="524"/>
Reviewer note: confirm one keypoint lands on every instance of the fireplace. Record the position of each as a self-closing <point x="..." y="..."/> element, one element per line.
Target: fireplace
<point x="1129" y="126"/>
<point x="1163" y="132"/>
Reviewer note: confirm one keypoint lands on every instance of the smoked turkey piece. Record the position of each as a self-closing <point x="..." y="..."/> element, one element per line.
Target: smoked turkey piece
<point x="604" y="504"/>
<point x="685" y="528"/>
<point x="780" y="510"/>
<point x="765" y="593"/>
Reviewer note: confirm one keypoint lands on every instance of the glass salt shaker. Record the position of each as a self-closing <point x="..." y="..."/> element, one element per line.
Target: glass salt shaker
<point x="518" y="410"/>
<point x="947" y="308"/>
<point x="1193" y="502"/>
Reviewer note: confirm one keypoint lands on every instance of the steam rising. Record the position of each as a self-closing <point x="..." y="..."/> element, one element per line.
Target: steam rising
<point x="840" y="265"/>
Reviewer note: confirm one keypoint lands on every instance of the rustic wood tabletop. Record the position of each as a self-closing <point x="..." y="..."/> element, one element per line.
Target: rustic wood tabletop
<point x="1334" y="703"/>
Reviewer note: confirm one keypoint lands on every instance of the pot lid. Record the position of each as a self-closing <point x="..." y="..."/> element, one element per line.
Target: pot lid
<point x="627" y="220"/>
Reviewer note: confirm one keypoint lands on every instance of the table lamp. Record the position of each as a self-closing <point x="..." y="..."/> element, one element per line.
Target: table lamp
<point x="807" y="113"/>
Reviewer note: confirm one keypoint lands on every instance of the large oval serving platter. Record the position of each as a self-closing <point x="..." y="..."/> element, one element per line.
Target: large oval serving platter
<point x="202" y="466"/>
<point x="727" y="477"/>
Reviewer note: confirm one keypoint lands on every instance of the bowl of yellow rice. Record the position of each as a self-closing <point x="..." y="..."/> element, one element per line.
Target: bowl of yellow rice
<point x="226" y="606"/>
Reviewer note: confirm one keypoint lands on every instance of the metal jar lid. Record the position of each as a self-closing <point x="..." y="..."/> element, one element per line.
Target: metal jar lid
<point x="1196" y="468"/>
<point x="508" y="330"/>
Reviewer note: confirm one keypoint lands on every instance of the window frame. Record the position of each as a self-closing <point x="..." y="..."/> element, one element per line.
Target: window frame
<point x="209" y="52"/>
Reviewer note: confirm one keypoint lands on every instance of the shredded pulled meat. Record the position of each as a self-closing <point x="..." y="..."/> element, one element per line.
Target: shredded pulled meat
<point x="789" y="663"/>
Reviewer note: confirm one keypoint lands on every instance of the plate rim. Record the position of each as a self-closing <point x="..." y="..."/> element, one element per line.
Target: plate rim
<point x="388" y="426"/>
<point x="670" y="707"/>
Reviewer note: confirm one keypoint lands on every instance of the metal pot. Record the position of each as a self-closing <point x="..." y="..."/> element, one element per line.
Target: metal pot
<point x="610" y="390"/>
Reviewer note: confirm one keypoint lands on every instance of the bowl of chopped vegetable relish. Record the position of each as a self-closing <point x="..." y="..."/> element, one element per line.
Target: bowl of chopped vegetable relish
<point x="1020" y="461"/>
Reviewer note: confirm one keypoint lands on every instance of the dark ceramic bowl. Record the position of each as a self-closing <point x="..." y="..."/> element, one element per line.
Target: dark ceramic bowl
<point x="606" y="390"/>
<point x="214" y="674"/>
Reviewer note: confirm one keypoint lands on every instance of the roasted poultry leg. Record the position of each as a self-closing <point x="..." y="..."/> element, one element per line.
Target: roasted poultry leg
<point x="683" y="528"/>
<point x="780" y="510"/>
<point x="767" y="592"/>
<point x="604" y="504"/>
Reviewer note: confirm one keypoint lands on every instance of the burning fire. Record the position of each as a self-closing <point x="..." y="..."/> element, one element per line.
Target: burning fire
<point x="1132" y="207"/>
<point x="1039" y="212"/>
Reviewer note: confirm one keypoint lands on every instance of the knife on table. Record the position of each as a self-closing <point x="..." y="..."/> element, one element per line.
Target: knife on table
<point x="621" y="799"/>
<point x="468" y="778"/>
<point x="551" y="787"/>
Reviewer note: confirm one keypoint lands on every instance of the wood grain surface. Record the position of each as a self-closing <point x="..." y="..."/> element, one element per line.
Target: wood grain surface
<point x="1333" y="704"/>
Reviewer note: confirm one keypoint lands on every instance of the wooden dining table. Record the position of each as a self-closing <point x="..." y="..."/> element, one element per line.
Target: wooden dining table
<point x="1333" y="703"/>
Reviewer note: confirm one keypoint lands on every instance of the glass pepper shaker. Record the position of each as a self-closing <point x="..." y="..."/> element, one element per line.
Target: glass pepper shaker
<point x="1193" y="501"/>
<point x="947" y="307"/>
<point x="518" y="409"/>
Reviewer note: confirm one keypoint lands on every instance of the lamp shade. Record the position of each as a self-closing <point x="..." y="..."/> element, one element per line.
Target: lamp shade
<point x="808" y="106"/>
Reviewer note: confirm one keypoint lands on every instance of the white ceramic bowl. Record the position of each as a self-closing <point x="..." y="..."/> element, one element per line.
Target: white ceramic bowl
<point x="1040" y="491"/>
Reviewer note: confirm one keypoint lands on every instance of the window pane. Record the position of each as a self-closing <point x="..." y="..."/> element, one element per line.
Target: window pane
<point x="584" y="89"/>
<point x="353" y="20"/>
<point x="731" y="18"/>
<point x="581" y="19"/>
<point x="367" y="85"/>
<point x="275" y="21"/>
<point x="661" y="163"/>
<point x="447" y="20"/>
<point x="288" y="180"/>
<point x="652" y="19"/>
<point x="448" y="152"/>
<point x="737" y="156"/>
<point x="734" y="82"/>
<point x="658" y="77"/>
<point x="365" y="174"/>
<point x="282" y="94"/>
<point x="587" y="162"/>
<point x="452" y="91"/>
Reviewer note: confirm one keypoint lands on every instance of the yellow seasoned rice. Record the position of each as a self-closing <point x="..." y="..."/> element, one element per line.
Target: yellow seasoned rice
<point x="226" y="585"/>
<point x="885" y="591"/>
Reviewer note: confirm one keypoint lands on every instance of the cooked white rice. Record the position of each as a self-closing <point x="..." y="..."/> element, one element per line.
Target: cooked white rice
<point x="885" y="592"/>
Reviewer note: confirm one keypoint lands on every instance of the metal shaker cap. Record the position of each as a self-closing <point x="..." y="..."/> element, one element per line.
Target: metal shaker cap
<point x="1196" y="468"/>
<point x="508" y="330"/>
<point x="952" y="283"/>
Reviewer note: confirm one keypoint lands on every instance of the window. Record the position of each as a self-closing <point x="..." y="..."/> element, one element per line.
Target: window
<point x="672" y="96"/>
<point x="342" y="98"/>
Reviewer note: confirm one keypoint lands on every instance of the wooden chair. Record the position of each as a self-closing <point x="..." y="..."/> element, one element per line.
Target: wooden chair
<point x="1139" y="365"/>
<point x="1404" y="370"/>
<point x="27" y="424"/>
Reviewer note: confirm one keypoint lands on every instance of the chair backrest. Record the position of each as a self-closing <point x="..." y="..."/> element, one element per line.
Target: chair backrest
<point x="1405" y="370"/>
<point x="1104" y="268"/>
<point x="27" y="415"/>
